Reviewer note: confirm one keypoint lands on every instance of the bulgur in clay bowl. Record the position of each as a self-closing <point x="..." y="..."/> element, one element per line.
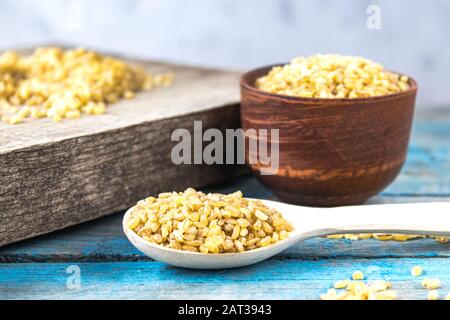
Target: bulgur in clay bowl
<point x="344" y="126"/>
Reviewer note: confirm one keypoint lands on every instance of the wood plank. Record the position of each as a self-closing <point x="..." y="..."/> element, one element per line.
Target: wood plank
<point x="112" y="248"/>
<point x="427" y="169"/>
<point x="273" y="279"/>
<point x="54" y="175"/>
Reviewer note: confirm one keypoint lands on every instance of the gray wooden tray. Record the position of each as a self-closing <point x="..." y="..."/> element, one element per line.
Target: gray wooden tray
<point x="54" y="175"/>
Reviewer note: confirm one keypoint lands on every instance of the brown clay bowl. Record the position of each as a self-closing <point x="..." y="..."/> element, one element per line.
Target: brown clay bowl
<point x="332" y="152"/>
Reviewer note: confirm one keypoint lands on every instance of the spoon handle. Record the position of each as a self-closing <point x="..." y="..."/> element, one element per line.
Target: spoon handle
<point x="412" y="218"/>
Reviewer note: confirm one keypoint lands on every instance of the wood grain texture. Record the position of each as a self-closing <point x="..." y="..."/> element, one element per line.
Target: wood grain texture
<point x="272" y="279"/>
<point x="53" y="175"/>
<point x="332" y="151"/>
<point x="103" y="241"/>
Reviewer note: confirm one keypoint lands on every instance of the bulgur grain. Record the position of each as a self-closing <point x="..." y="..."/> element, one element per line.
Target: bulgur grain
<point x="358" y="275"/>
<point x="431" y="284"/>
<point x="213" y="223"/>
<point x="63" y="84"/>
<point x="341" y="284"/>
<point x="416" y="271"/>
<point x="358" y="290"/>
<point x="332" y="76"/>
<point x="387" y="237"/>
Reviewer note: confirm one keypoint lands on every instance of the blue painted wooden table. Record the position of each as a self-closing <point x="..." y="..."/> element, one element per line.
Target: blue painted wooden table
<point x="109" y="267"/>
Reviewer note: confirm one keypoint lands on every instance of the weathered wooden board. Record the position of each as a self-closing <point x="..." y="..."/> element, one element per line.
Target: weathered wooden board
<point x="103" y="241"/>
<point x="54" y="175"/>
<point x="271" y="279"/>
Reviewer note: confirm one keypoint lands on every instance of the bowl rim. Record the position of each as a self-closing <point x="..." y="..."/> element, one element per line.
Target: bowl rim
<point x="250" y="76"/>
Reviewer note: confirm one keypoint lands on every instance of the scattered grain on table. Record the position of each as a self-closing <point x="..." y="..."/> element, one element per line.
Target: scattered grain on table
<point x="359" y="290"/>
<point x="387" y="237"/>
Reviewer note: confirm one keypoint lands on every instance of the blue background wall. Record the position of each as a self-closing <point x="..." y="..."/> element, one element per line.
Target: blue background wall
<point x="414" y="36"/>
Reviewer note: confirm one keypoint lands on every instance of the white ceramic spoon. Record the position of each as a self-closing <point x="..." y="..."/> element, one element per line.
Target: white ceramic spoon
<point x="412" y="218"/>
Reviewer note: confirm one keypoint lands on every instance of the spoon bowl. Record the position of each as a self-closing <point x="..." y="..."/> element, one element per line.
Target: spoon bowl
<point x="414" y="218"/>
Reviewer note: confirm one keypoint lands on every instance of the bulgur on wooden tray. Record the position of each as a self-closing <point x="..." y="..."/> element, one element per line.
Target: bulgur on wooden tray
<point x="65" y="84"/>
